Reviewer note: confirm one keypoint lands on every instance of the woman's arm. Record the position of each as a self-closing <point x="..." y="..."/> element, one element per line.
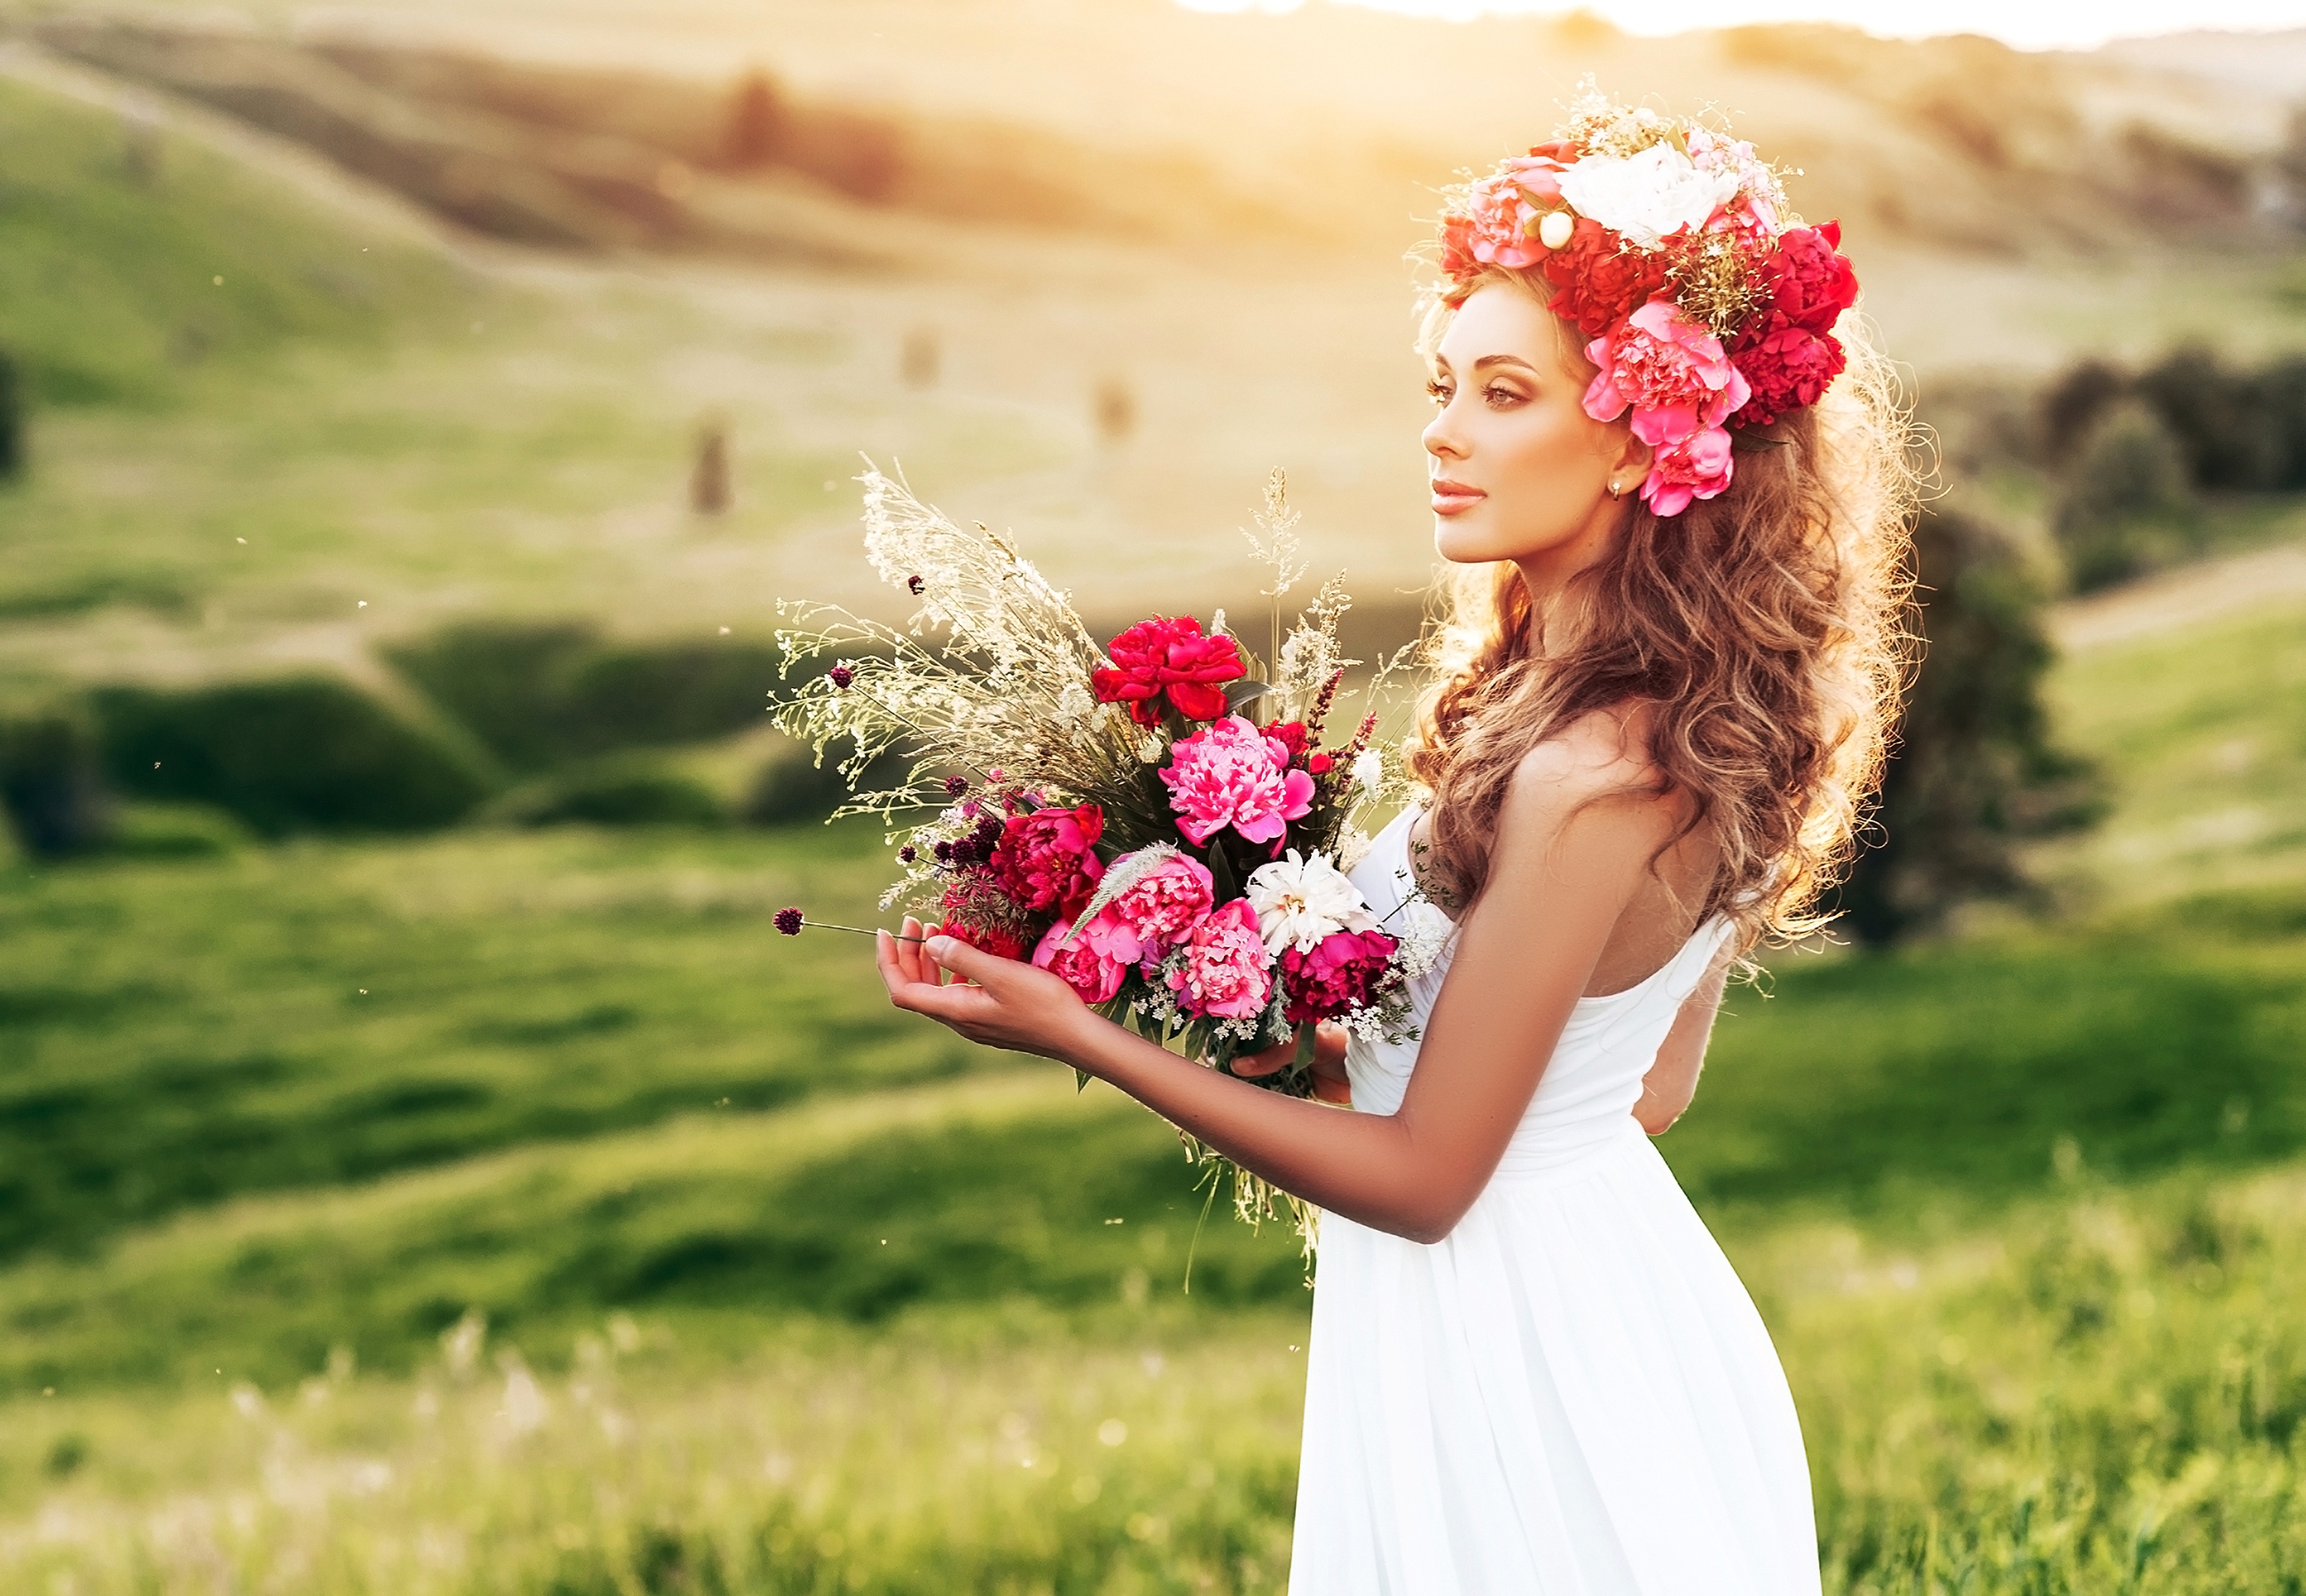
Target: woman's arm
<point x="1672" y="1080"/>
<point x="1575" y="838"/>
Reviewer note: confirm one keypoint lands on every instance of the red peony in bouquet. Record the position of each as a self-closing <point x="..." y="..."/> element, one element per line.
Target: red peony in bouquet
<point x="1161" y="822"/>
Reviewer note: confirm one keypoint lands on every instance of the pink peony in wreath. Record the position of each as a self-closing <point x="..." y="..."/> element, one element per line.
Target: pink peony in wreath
<point x="1697" y="468"/>
<point x="1668" y="368"/>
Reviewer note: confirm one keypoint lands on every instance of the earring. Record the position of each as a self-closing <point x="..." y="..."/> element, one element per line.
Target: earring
<point x="1615" y="491"/>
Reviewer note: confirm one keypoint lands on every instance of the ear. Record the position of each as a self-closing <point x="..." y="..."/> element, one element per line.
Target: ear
<point x="1629" y="467"/>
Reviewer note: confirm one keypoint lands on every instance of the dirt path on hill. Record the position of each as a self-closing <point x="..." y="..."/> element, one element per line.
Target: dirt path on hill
<point x="291" y="163"/>
<point x="2182" y="598"/>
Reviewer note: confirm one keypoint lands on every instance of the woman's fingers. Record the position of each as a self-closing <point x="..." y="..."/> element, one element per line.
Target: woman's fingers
<point x="970" y="964"/>
<point x="911" y="958"/>
<point x="904" y="970"/>
<point x="1251" y="1066"/>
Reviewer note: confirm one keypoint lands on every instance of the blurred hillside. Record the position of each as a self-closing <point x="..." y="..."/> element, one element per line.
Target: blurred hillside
<point x="1085" y="270"/>
<point x="719" y="126"/>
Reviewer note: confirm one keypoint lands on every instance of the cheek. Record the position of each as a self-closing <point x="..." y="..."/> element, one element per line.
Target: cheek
<point x="1545" y="474"/>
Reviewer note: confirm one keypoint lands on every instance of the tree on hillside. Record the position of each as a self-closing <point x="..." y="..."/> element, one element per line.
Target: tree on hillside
<point x="2128" y="506"/>
<point x="51" y="789"/>
<point x="11" y="420"/>
<point x="1974" y="770"/>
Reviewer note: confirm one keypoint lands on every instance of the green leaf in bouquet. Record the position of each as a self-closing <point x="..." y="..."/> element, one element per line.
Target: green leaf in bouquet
<point x="1244" y="691"/>
<point x="1306" y="1035"/>
<point x="1225" y="883"/>
<point x="1080" y="1081"/>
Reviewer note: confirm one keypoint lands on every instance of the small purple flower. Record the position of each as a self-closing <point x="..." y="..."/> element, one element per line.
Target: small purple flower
<point x="907" y="854"/>
<point x="969" y="810"/>
<point x="840" y="675"/>
<point x="944" y="853"/>
<point x="954" y="786"/>
<point x="788" y="921"/>
<point x="913" y="585"/>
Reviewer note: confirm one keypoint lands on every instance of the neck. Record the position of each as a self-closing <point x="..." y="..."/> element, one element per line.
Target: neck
<point x="1550" y="573"/>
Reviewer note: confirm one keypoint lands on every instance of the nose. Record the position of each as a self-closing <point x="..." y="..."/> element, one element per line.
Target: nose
<point x="1439" y="437"/>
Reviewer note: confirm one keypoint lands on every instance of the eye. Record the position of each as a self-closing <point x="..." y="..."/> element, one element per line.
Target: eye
<point x="1438" y="391"/>
<point x="1499" y="396"/>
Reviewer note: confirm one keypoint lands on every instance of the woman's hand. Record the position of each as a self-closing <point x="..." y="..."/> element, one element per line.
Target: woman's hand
<point x="1330" y="1084"/>
<point x="997" y="1002"/>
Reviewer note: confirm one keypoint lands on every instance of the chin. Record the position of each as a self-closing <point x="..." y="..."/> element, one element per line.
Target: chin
<point x="1460" y="543"/>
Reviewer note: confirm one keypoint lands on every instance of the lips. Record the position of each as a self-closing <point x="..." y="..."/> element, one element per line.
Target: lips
<point x="1449" y="497"/>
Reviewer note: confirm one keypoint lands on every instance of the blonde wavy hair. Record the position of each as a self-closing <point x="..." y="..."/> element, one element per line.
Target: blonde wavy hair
<point x="1764" y="633"/>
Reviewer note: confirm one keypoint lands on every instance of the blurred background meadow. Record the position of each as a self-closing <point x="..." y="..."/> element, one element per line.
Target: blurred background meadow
<point x="423" y="1169"/>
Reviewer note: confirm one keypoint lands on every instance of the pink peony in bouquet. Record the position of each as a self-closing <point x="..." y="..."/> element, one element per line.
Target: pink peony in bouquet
<point x="1160" y="821"/>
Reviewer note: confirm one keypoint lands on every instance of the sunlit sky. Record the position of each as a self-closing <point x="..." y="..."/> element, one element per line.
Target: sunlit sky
<point x="2030" y="24"/>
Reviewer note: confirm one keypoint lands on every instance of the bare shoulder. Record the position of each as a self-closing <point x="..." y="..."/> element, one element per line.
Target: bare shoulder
<point x="1587" y="809"/>
<point x="1601" y="756"/>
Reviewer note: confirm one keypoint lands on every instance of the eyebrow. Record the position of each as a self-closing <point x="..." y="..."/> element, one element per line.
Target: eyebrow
<point x="1493" y="360"/>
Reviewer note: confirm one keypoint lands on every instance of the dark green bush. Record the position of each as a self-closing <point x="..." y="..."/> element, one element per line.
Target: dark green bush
<point x="1974" y="769"/>
<point x="2226" y="433"/>
<point x="297" y="753"/>
<point x="544" y="694"/>
<point x="2072" y="403"/>
<point x="616" y="792"/>
<point x="51" y="784"/>
<point x="791" y="789"/>
<point x="2235" y="428"/>
<point x="175" y="831"/>
<point x="503" y="681"/>
<point x="11" y="419"/>
<point x="2128" y="503"/>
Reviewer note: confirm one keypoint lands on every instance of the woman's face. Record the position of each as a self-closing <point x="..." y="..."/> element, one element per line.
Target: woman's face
<point x="1520" y="472"/>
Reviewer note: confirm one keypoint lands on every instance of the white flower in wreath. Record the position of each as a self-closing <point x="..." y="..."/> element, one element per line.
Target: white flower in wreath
<point x="1300" y="901"/>
<point x="1645" y="197"/>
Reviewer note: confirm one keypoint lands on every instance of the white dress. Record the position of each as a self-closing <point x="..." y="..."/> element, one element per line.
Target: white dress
<point x="1570" y="1393"/>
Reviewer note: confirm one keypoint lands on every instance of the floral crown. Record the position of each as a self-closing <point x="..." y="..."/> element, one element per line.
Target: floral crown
<point x="1708" y="303"/>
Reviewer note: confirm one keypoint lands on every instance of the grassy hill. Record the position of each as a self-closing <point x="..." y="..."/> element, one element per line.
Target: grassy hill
<point x="637" y="1097"/>
<point x="130" y="261"/>
<point x="783" y="1292"/>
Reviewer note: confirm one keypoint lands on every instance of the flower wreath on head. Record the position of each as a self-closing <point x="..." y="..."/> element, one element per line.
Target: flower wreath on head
<point x="1669" y="245"/>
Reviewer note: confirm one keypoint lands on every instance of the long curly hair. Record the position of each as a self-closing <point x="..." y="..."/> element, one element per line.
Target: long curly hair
<point x="1764" y="635"/>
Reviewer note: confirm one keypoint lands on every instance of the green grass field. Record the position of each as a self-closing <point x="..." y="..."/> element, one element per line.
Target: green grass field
<point x="513" y="1211"/>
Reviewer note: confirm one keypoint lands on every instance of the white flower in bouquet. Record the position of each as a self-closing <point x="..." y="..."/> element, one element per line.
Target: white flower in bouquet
<point x="1646" y="196"/>
<point x="1424" y="932"/>
<point x="1368" y="769"/>
<point x="1300" y="901"/>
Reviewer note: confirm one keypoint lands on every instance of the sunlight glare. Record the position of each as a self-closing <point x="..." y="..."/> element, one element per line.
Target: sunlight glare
<point x="2061" y="26"/>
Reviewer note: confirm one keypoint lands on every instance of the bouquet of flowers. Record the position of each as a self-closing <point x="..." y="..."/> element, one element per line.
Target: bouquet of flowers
<point x="1163" y="821"/>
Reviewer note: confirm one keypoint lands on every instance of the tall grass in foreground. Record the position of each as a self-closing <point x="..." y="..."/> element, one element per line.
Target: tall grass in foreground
<point x="2101" y="1395"/>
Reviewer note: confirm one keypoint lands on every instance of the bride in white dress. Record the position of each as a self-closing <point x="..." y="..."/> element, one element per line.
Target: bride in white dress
<point x="1645" y="751"/>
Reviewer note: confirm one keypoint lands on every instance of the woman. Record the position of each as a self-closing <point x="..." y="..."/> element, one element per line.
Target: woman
<point x="1532" y="1369"/>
